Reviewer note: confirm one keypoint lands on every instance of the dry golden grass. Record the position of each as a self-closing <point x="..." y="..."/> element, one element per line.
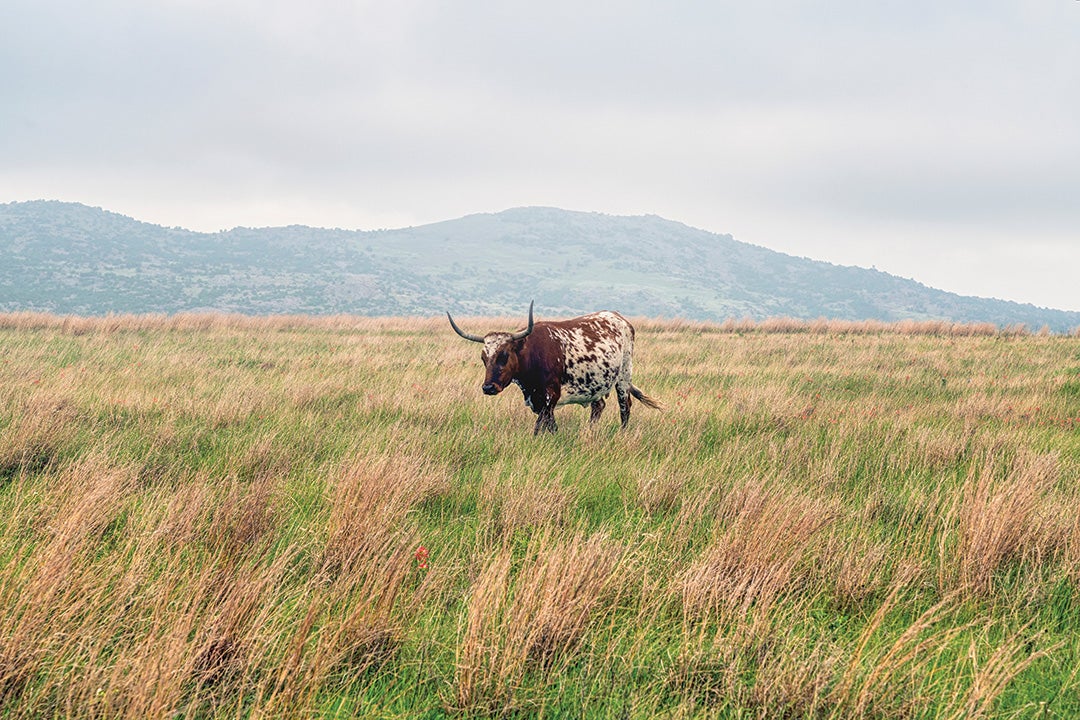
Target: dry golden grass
<point x="763" y="536"/>
<point x="534" y="618"/>
<point x="997" y="519"/>
<point x="515" y="501"/>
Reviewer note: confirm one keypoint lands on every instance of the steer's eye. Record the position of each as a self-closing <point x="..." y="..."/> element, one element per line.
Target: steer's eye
<point x="501" y="358"/>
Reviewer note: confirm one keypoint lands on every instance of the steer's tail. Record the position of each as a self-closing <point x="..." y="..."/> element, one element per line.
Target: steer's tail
<point x="645" y="399"/>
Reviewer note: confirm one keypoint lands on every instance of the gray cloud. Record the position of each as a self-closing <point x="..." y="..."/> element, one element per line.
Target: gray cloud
<point x="883" y="133"/>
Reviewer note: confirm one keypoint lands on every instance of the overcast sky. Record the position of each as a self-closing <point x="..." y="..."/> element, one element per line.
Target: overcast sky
<point x="936" y="141"/>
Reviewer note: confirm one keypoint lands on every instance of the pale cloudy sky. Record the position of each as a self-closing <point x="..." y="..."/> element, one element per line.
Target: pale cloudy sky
<point x="937" y="141"/>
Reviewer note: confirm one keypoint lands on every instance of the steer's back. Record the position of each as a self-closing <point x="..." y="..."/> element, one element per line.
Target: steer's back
<point x="597" y="350"/>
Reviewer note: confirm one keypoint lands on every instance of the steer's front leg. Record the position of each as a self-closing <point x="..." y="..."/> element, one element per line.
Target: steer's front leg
<point x="545" y="422"/>
<point x="545" y="411"/>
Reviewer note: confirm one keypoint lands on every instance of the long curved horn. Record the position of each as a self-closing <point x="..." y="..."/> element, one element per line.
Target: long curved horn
<point x="474" y="338"/>
<point x="526" y="331"/>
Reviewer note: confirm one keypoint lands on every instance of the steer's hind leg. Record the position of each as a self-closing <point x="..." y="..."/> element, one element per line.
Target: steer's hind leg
<point x="597" y="408"/>
<point x="623" y="393"/>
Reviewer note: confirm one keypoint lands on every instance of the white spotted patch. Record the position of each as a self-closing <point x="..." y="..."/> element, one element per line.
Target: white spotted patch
<point x="492" y="342"/>
<point x="598" y="354"/>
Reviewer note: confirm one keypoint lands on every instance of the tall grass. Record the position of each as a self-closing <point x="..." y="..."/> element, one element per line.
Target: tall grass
<point x="532" y="621"/>
<point x="221" y="516"/>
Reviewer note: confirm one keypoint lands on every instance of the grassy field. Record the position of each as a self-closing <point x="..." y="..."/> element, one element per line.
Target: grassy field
<point x="280" y="518"/>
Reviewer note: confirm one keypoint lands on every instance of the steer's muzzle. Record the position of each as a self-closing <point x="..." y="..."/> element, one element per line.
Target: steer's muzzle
<point x="491" y="389"/>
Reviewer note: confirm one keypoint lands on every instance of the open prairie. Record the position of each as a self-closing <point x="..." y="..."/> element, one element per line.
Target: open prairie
<point x="216" y="516"/>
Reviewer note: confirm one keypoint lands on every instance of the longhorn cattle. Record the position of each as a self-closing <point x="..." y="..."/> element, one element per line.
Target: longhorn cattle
<point x="555" y="363"/>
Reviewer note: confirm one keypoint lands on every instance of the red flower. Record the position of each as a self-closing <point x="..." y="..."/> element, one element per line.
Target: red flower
<point x="421" y="556"/>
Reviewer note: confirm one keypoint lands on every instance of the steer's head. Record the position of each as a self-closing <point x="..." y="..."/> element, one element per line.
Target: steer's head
<point x="500" y="354"/>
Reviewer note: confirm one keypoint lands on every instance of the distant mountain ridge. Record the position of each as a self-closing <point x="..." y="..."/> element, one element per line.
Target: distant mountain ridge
<point x="68" y="258"/>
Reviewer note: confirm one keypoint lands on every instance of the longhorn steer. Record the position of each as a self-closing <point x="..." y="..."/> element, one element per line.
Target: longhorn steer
<point x="569" y="361"/>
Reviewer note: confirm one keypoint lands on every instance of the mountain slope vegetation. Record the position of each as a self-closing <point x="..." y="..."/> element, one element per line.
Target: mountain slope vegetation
<point x="68" y="258"/>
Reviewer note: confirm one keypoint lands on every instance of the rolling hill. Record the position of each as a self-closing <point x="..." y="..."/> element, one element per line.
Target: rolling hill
<point x="68" y="258"/>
